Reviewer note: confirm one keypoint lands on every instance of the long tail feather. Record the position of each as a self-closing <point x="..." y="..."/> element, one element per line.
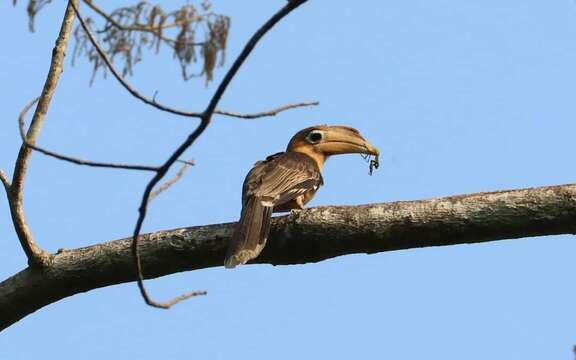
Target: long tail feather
<point x="250" y="234"/>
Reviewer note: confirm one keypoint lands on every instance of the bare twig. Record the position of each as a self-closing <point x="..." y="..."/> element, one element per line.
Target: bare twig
<point x="189" y="162"/>
<point x="74" y="160"/>
<point x="206" y="118"/>
<point x="185" y="166"/>
<point x="37" y="256"/>
<point x="5" y="181"/>
<point x="272" y="112"/>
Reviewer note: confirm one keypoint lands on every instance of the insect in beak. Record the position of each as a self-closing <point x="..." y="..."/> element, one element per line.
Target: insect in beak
<point x="374" y="163"/>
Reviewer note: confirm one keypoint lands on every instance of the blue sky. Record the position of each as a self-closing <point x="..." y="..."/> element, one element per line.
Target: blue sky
<point x="459" y="96"/>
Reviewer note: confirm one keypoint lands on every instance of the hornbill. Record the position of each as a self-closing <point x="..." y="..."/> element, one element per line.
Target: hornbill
<point x="287" y="181"/>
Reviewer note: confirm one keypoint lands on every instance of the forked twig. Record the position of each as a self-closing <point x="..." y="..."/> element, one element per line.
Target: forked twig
<point x="77" y="161"/>
<point x="205" y="121"/>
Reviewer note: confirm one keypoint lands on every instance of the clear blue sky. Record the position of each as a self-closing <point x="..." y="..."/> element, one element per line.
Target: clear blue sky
<point x="460" y="96"/>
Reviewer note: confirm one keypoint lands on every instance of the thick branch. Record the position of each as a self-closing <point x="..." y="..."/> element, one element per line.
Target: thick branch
<point x="313" y="235"/>
<point x="37" y="256"/>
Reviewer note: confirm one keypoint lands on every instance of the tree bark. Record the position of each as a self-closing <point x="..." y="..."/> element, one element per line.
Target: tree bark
<point x="310" y="236"/>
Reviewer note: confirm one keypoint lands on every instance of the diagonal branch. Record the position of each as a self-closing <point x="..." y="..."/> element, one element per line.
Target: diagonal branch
<point x="37" y="256"/>
<point x="314" y="235"/>
<point x="74" y="160"/>
<point x="5" y="181"/>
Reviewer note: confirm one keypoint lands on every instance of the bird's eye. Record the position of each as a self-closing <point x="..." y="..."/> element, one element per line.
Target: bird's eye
<point x="314" y="136"/>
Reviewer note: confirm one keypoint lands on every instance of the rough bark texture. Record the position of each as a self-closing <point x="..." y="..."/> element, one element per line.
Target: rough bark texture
<point x="310" y="236"/>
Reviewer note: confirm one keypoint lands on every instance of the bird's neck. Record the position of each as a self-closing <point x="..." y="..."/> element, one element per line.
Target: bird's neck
<point x="319" y="158"/>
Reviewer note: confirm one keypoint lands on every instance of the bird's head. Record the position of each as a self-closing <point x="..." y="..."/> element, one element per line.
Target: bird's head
<point x="322" y="141"/>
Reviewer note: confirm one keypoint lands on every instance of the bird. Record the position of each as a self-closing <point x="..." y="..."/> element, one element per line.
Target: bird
<point x="286" y="181"/>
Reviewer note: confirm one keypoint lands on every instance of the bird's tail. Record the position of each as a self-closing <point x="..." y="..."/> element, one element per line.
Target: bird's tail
<point x="250" y="234"/>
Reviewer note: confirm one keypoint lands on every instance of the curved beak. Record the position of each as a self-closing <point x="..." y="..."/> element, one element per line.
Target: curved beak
<point x="344" y="140"/>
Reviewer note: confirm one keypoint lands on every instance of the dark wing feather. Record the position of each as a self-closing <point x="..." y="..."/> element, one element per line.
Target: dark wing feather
<point x="282" y="177"/>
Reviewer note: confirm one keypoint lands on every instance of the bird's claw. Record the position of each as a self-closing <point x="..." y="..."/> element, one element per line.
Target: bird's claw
<point x="295" y="212"/>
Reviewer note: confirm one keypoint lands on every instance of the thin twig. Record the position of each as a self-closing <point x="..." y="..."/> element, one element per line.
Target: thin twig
<point x="189" y="162"/>
<point x="37" y="257"/>
<point x="121" y="79"/>
<point x="74" y="160"/>
<point x="206" y="118"/>
<point x="272" y="112"/>
<point x="5" y="181"/>
<point x="186" y="165"/>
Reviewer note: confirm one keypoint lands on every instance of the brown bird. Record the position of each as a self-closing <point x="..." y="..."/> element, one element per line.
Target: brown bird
<point x="287" y="181"/>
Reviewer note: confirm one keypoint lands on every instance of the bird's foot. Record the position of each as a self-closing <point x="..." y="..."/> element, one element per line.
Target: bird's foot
<point x="295" y="212"/>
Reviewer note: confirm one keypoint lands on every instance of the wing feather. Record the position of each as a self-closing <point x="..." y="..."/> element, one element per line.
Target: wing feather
<point x="282" y="177"/>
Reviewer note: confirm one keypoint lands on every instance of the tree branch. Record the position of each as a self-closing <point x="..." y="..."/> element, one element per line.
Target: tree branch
<point x="5" y="181"/>
<point x="272" y="112"/>
<point x="37" y="256"/>
<point x="313" y="235"/>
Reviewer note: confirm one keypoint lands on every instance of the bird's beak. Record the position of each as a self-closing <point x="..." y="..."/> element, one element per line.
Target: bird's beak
<point x="345" y="141"/>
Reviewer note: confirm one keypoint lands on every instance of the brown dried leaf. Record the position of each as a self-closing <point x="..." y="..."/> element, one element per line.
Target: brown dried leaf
<point x="209" y="51"/>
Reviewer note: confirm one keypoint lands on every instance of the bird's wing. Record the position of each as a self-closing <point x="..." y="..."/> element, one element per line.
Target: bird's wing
<point x="278" y="179"/>
<point x="282" y="177"/>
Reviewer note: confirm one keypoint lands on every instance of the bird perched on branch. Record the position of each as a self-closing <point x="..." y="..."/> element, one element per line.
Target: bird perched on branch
<point x="287" y="181"/>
